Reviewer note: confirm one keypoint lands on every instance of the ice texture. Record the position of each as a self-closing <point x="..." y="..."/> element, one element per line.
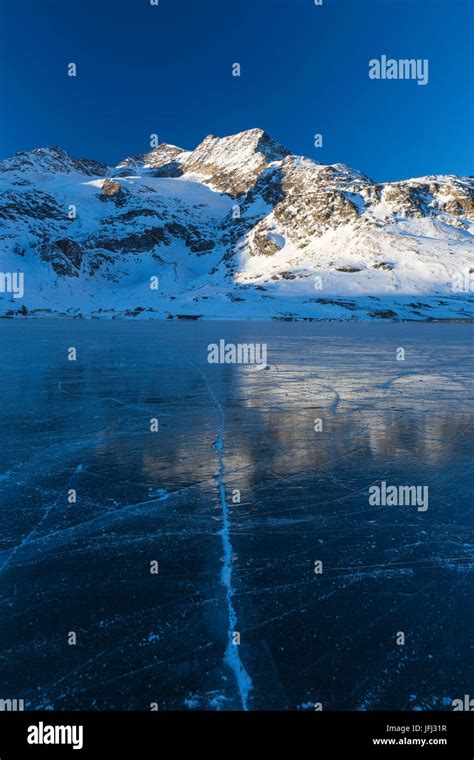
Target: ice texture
<point x="167" y="496"/>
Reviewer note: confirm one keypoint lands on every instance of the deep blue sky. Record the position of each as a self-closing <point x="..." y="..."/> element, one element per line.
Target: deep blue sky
<point x="167" y="69"/>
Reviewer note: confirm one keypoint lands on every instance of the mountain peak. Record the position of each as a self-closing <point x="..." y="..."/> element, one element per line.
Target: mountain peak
<point x="156" y="158"/>
<point x="233" y="163"/>
<point x="248" y="140"/>
<point x="51" y="160"/>
<point x="230" y="164"/>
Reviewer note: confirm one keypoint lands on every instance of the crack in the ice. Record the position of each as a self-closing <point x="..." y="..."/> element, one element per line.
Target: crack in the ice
<point x="232" y="656"/>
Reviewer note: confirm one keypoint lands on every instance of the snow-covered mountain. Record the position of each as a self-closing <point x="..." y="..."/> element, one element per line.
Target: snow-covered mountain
<point x="237" y="228"/>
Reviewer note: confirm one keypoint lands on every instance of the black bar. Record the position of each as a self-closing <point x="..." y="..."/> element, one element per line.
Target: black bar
<point x="143" y="735"/>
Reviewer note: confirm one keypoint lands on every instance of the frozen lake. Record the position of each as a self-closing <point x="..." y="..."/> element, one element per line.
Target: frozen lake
<point x="170" y="497"/>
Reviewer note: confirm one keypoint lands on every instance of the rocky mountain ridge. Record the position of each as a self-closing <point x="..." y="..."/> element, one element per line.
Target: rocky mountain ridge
<point x="237" y="228"/>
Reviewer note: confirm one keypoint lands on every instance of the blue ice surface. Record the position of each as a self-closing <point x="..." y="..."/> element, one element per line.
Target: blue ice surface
<point x="225" y="567"/>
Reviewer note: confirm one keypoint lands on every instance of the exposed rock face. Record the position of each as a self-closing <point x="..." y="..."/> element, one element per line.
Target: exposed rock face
<point x="33" y="204"/>
<point x="64" y="255"/>
<point x="235" y="212"/>
<point x="71" y="250"/>
<point x="113" y="191"/>
<point x="307" y="200"/>
<point x="233" y="164"/>
<point x="321" y="204"/>
<point x="456" y="199"/>
<point x="405" y="199"/>
<point x="110" y="188"/>
<point x="136" y="242"/>
<point x="383" y="265"/>
<point x="451" y="196"/>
